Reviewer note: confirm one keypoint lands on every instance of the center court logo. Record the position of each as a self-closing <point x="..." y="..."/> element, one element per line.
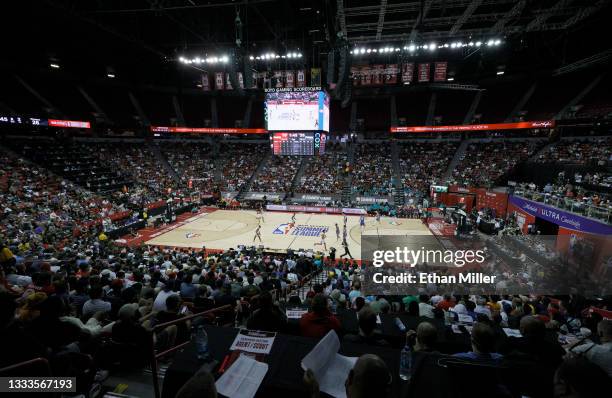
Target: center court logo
<point x="300" y="230"/>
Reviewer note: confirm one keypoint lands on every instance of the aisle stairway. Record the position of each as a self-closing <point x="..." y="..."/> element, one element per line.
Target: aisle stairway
<point x="455" y="161"/>
<point x="398" y="191"/>
<point x="346" y="190"/>
<point x="247" y="187"/>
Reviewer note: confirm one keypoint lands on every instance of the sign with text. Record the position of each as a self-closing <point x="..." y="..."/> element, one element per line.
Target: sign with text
<point x="543" y="124"/>
<point x="253" y="341"/>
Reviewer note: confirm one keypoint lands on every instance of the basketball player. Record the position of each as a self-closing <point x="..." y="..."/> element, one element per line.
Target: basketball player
<point x="378" y="217"/>
<point x="257" y="233"/>
<point x="322" y="243"/>
<point x="293" y="218"/>
<point x="347" y="252"/>
<point x="344" y="232"/>
<point x="337" y="232"/>
<point x="259" y="216"/>
<point x="362" y="222"/>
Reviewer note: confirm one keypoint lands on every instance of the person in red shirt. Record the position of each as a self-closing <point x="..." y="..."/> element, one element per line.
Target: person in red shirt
<point x="319" y="321"/>
<point x="447" y="302"/>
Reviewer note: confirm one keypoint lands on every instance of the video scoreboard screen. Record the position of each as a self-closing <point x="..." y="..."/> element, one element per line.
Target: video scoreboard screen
<point x="291" y="110"/>
<point x="298" y="144"/>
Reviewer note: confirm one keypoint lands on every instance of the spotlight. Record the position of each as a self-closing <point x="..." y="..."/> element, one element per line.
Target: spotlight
<point x="450" y="79"/>
<point x="251" y="58"/>
<point x="54" y="66"/>
<point x="432" y="46"/>
<point x="411" y="47"/>
<point x="497" y="42"/>
<point x="471" y="44"/>
<point x="490" y="43"/>
<point x="369" y="50"/>
<point x="110" y="75"/>
<point x="362" y="51"/>
<point x="500" y="72"/>
<point x="478" y="43"/>
<point x="299" y="55"/>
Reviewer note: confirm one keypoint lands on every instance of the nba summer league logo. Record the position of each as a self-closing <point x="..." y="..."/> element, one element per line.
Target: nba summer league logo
<point x="300" y="230"/>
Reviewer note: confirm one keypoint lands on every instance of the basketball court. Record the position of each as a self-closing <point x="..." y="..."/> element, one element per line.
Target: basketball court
<point x="222" y="229"/>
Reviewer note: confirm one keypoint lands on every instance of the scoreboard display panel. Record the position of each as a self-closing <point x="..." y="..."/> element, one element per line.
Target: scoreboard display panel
<point x="298" y="143"/>
<point x="297" y="110"/>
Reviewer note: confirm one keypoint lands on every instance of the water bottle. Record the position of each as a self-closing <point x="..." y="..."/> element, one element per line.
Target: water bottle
<point x="405" y="370"/>
<point x="201" y="339"/>
<point x="400" y="324"/>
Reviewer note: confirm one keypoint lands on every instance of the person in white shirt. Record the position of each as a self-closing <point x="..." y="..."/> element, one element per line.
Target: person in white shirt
<point x="599" y="354"/>
<point x="425" y="309"/>
<point x="481" y="307"/>
<point x="160" y="300"/>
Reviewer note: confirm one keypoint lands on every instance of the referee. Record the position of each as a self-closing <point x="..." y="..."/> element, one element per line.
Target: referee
<point x="347" y="252"/>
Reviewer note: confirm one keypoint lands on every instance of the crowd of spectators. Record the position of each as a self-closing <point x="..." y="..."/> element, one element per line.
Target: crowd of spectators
<point x="372" y="170"/>
<point x="424" y="164"/>
<point x="277" y="174"/>
<point x="238" y="164"/>
<point x="192" y="162"/>
<point x="324" y="174"/>
<point x="39" y="208"/>
<point x="483" y="164"/>
<point x="592" y="152"/>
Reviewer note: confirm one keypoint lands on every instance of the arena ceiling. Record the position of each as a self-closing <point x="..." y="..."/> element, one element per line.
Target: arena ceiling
<point x="144" y="38"/>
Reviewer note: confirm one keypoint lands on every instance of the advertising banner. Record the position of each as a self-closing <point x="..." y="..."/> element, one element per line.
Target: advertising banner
<point x="562" y="218"/>
<point x="542" y="124"/>
<point x="205" y="82"/>
<point x="315" y="77"/>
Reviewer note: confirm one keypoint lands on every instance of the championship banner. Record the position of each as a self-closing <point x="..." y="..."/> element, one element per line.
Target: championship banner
<point x="219" y="80"/>
<point x="407" y="72"/>
<point x="228" y="82"/>
<point x="546" y="124"/>
<point x="301" y="78"/>
<point x="315" y="77"/>
<point x="205" y="82"/>
<point x="391" y="74"/>
<point x="290" y="78"/>
<point x="355" y="76"/>
<point x="378" y="71"/>
<point x="278" y="75"/>
<point x="240" y="80"/>
<point x="440" y="71"/>
<point x="423" y="73"/>
<point x="366" y="76"/>
<point x="206" y="130"/>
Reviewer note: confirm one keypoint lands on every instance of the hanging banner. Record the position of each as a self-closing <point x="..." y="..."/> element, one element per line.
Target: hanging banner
<point x="205" y="82"/>
<point x="407" y="72"/>
<point x="315" y="77"/>
<point x="355" y="76"/>
<point x="254" y="77"/>
<point x="423" y="73"/>
<point x="366" y="76"/>
<point x="440" y="71"/>
<point x="219" y="80"/>
<point x="240" y="80"/>
<point x="290" y="78"/>
<point x="228" y="82"/>
<point x="278" y="76"/>
<point x="378" y="71"/>
<point x="301" y="78"/>
<point x="391" y="74"/>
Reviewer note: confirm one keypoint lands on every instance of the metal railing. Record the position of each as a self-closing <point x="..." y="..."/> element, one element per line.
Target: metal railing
<point x="569" y="204"/>
<point x="155" y="356"/>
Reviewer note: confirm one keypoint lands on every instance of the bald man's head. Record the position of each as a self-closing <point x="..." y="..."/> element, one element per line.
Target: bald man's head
<point x="532" y="326"/>
<point x="427" y="334"/>
<point x="369" y="377"/>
